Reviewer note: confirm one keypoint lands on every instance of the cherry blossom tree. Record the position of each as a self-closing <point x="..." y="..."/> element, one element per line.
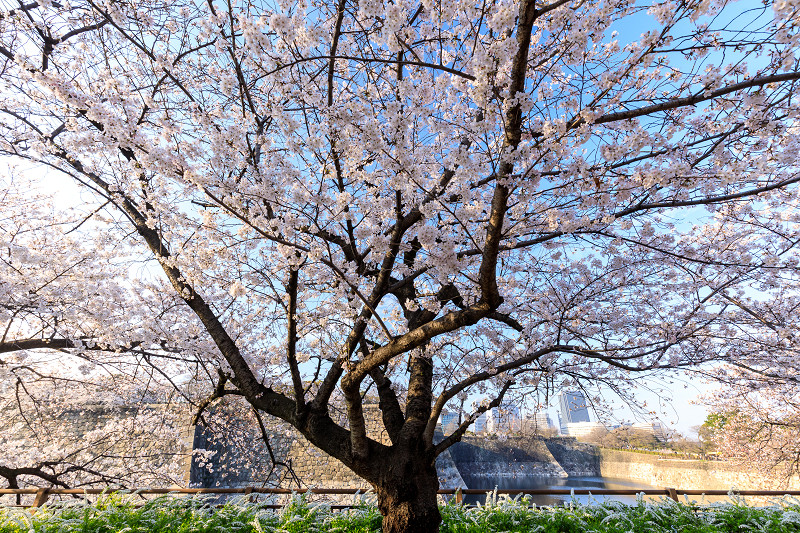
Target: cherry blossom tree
<point x="423" y="200"/>
<point x="85" y="404"/>
<point x="74" y="411"/>
<point x="755" y="420"/>
<point x="52" y="436"/>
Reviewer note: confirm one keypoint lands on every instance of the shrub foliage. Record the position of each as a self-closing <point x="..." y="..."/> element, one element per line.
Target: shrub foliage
<point x="120" y="514"/>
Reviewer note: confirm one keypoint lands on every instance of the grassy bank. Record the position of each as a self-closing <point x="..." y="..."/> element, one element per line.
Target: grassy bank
<point x="115" y="514"/>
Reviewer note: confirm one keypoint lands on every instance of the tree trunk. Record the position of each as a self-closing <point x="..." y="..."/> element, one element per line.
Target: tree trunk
<point x="408" y="501"/>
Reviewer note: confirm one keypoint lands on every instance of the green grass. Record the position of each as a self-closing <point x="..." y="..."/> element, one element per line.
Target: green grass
<point x="120" y="514"/>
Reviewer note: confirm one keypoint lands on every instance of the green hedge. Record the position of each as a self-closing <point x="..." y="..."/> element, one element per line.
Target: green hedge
<point x="119" y="514"/>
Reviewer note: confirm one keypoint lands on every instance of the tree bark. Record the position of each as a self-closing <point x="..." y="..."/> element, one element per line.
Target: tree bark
<point x="407" y="496"/>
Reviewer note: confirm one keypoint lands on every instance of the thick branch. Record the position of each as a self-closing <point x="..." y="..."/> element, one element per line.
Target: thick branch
<point x="36" y="344"/>
<point x="418" y="404"/>
<point x="358" y="428"/>
<point x="391" y="412"/>
<point x="291" y="343"/>
<point x="709" y="200"/>
<point x="414" y="339"/>
<point x="264" y="398"/>
<point x="692" y="100"/>
<point x="11" y="474"/>
<point x="487" y="275"/>
<point x="337" y="32"/>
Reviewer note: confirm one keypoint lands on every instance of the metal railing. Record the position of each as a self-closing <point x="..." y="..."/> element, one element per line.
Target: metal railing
<point x="42" y="495"/>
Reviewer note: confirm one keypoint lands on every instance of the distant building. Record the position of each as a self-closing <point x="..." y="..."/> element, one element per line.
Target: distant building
<point x="480" y="424"/>
<point x="537" y="423"/>
<point x="656" y="429"/>
<point x="573" y="409"/>
<point x="503" y="419"/>
<point x="449" y="421"/>
<point x="660" y="431"/>
<point x="582" y="429"/>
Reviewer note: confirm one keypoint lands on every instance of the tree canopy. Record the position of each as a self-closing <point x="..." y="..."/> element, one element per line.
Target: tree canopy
<point x="425" y="200"/>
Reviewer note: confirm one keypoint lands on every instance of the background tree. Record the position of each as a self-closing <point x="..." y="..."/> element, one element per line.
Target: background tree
<point x="627" y="437"/>
<point x="755" y="413"/>
<point x="53" y="435"/>
<point x="426" y="199"/>
<point x="85" y="410"/>
<point x="711" y="428"/>
<point x="756" y="422"/>
<point x="686" y="445"/>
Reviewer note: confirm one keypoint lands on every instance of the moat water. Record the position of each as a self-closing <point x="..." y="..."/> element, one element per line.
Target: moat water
<point x="538" y="482"/>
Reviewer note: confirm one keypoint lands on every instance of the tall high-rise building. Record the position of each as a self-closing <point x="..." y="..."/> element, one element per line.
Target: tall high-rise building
<point x="504" y="419"/>
<point x="573" y="408"/>
<point x="449" y="420"/>
<point x="479" y="426"/>
<point x="537" y="423"/>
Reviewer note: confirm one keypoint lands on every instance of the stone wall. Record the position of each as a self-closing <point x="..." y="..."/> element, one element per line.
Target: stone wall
<point x="686" y="474"/>
<point x="240" y="457"/>
<point x="576" y="458"/>
<point x="152" y="440"/>
<point x="511" y="457"/>
<point x="248" y="462"/>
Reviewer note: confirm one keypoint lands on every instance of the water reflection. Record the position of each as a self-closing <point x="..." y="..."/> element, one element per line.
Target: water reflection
<point x="538" y="482"/>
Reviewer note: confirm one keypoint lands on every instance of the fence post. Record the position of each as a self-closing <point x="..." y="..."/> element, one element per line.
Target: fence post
<point x="248" y="492"/>
<point x="672" y="493"/>
<point x="459" y="496"/>
<point x="41" y="497"/>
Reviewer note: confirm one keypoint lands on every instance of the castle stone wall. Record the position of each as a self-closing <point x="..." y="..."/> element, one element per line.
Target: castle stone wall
<point x="687" y="474"/>
<point x="302" y="465"/>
